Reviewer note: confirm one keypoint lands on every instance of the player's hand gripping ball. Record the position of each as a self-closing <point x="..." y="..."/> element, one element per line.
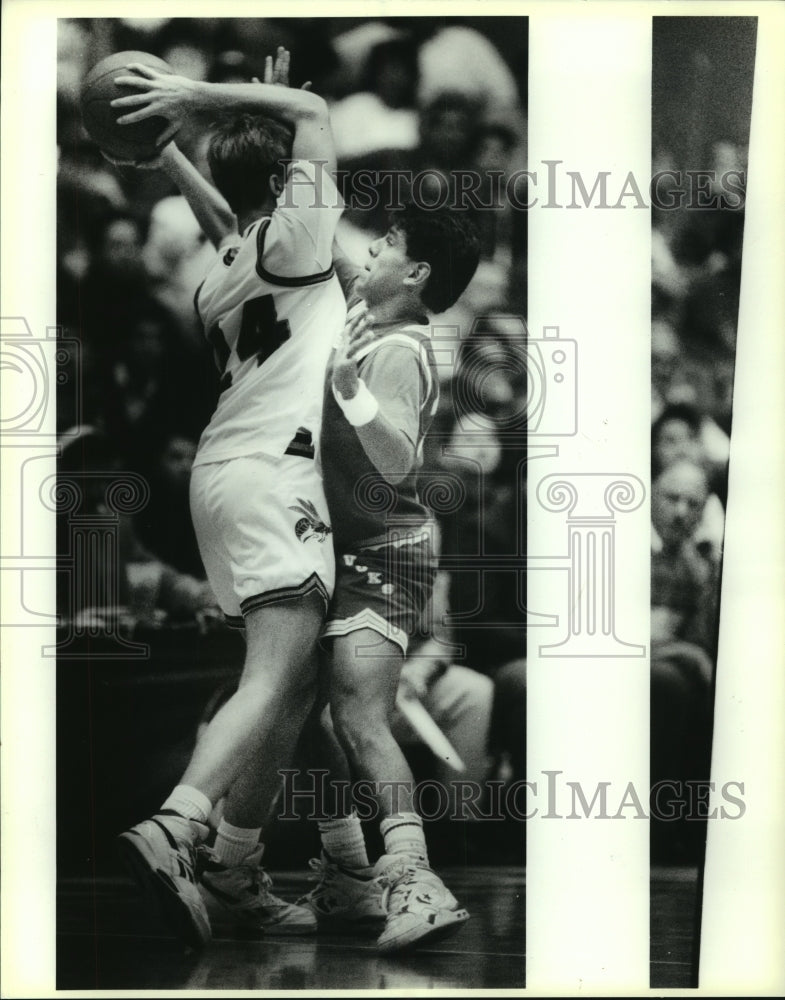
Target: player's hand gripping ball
<point x="131" y="143"/>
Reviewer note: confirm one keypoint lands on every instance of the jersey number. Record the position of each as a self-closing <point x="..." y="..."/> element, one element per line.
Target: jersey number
<point x="261" y="333"/>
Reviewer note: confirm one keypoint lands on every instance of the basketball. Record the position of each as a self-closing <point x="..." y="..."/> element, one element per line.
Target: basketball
<point x="138" y="141"/>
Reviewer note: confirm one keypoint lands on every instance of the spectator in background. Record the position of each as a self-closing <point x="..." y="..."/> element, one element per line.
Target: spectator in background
<point x="150" y="388"/>
<point x="459" y="700"/>
<point x="381" y="113"/>
<point x="711" y="307"/>
<point x="675" y="435"/>
<point x="464" y="120"/>
<point x="115" y="284"/>
<point x="148" y="590"/>
<point x="231" y="66"/>
<point x="493" y="156"/>
<point x="87" y="196"/>
<point x="176" y="256"/>
<point x="165" y="525"/>
<point x="683" y="636"/>
<point x="666" y="351"/>
<point x="447" y="126"/>
<point x="681" y="573"/>
<point x="491" y="374"/>
<point x="489" y="519"/>
<point x="711" y="238"/>
<point x="460" y="59"/>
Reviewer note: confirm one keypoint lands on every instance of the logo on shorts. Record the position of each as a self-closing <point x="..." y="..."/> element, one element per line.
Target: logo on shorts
<point x="310" y="524"/>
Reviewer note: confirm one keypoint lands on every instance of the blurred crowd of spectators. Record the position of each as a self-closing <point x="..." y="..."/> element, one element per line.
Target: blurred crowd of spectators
<point x="425" y="96"/>
<point x="407" y="94"/>
<point x="428" y="96"/>
<point x="696" y="274"/>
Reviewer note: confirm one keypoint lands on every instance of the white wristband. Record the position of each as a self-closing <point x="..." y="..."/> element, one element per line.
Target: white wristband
<point x="361" y="408"/>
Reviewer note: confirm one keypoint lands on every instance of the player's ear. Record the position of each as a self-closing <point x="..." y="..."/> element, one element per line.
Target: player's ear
<point x="276" y="185"/>
<point x="418" y="274"/>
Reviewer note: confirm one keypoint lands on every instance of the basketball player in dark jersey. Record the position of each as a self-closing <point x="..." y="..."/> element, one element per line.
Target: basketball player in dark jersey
<point x="381" y="395"/>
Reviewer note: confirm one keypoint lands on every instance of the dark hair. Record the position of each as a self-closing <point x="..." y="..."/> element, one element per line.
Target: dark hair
<point x="245" y="152"/>
<point x="448" y="241"/>
<point x="683" y="412"/>
<point x="395" y="50"/>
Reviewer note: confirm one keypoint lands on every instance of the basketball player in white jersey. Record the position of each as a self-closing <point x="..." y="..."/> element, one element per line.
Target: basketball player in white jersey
<point x="272" y="308"/>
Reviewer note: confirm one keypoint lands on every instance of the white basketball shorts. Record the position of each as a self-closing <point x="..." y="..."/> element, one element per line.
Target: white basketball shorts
<point x="263" y="531"/>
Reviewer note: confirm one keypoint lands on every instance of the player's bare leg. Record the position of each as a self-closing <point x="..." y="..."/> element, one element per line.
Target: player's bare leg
<point x="364" y="675"/>
<point x="242" y="745"/>
<point x="251" y="799"/>
<point x="346" y="890"/>
<point x="278" y="685"/>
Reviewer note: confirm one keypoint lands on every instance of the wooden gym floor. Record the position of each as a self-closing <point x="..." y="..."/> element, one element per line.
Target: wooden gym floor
<point x="107" y="939"/>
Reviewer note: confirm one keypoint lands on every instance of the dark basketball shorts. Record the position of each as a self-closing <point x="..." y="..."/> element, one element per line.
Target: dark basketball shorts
<point x="383" y="587"/>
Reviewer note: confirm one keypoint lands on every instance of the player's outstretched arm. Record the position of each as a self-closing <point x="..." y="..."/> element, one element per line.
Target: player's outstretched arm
<point x="210" y="208"/>
<point x="177" y="99"/>
<point x="390" y="450"/>
<point x="207" y="203"/>
<point x="345" y="268"/>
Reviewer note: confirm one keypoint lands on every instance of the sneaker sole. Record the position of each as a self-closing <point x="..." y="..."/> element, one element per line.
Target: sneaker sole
<point x="449" y="923"/>
<point x="189" y="926"/>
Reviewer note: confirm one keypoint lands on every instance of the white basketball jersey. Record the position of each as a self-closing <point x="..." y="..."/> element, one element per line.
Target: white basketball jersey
<point x="272" y="307"/>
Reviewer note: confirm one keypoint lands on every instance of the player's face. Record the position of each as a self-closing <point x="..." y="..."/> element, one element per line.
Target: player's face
<point x="386" y="269"/>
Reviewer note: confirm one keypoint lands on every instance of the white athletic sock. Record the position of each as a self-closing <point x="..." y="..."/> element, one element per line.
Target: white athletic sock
<point x="403" y="834"/>
<point x="343" y="840"/>
<point x="189" y="802"/>
<point x="233" y="844"/>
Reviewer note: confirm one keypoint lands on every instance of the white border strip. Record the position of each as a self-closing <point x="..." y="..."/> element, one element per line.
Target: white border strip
<point x="590" y="275"/>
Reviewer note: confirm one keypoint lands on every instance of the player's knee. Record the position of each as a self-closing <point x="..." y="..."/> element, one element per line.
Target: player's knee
<point x="295" y="691"/>
<point x="358" y="731"/>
